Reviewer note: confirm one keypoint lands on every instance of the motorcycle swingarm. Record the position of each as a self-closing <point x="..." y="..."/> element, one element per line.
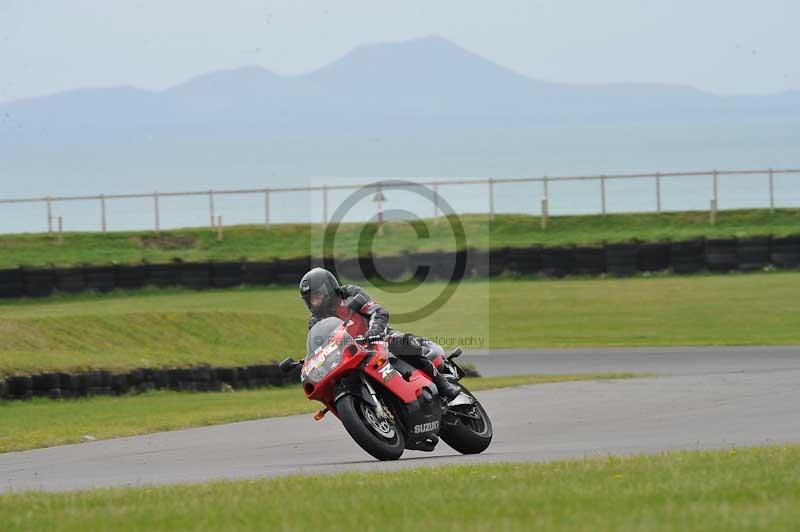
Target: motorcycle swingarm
<point x="463" y="414"/>
<point x="462" y="400"/>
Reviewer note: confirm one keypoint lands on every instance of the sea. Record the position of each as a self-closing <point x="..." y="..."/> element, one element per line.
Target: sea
<point x="169" y="165"/>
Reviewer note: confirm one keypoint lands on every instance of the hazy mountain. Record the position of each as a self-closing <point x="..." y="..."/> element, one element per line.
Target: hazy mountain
<point x="385" y="88"/>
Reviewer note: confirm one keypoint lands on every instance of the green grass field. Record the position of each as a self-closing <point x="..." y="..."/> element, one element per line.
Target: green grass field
<point x="727" y="490"/>
<point x="240" y="326"/>
<point x="287" y="240"/>
<point x="44" y="423"/>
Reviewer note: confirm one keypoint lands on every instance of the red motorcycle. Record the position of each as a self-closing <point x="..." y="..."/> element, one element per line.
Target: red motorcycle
<point x="384" y="403"/>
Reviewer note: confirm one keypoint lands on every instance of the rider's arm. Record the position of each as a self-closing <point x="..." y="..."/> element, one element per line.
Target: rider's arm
<point x="377" y="315"/>
<point x="312" y="320"/>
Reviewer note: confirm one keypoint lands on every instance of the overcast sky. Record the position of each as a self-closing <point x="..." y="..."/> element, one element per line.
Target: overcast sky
<point x="724" y="46"/>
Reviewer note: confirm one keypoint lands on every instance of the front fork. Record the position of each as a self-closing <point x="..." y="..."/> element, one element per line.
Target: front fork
<point x="378" y="404"/>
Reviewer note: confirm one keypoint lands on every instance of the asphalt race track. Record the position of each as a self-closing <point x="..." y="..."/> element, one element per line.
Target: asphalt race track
<point x="701" y="398"/>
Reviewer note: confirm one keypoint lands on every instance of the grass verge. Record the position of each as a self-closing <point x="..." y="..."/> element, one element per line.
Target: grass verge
<point x="256" y="325"/>
<point x="727" y="490"/>
<point x="292" y="240"/>
<point x="44" y="422"/>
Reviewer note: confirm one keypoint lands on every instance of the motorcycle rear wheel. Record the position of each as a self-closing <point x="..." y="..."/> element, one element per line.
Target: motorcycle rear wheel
<point x="381" y="439"/>
<point x="468" y="435"/>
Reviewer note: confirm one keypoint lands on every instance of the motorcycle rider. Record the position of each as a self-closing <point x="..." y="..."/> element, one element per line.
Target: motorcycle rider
<point x="325" y="298"/>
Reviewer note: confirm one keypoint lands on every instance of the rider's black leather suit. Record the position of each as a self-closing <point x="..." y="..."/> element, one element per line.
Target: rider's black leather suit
<point x="415" y="350"/>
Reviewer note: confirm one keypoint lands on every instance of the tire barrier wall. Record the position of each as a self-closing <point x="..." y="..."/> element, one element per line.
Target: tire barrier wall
<point x="681" y="257"/>
<point x="93" y="383"/>
<point x="196" y="379"/>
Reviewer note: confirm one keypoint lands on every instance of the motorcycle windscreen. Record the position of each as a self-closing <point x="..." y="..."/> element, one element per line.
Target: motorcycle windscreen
<point x="323" y="350"/>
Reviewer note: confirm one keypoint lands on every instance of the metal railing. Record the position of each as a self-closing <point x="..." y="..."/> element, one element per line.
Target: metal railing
<point x="490" y="182"/>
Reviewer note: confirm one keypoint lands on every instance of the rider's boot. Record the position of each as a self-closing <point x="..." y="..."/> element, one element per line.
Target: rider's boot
<point x="446" y="388"/>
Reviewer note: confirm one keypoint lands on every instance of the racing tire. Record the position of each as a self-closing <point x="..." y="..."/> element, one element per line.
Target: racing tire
<point x="472" y="437"/>
<point x="351" y="413"/>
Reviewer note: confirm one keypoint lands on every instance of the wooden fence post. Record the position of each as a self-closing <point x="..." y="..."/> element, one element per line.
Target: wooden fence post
<point x="713" y="212"/>
<point x="211" y="207"/>
<point x="771" y="191"/>
<point x="60" y="231"/>
<point x="219" y="229"/>
<point x="715" y="196"/>
<point x="103" y="211"/>
<point x="157" y="214"/>
<point x="603" y="194"/>
<point x="49" y="218"/>
<point x="546" y="192"/>
<point x="324" y="204"/>
<point x="378" y="201"/>
<point x="491" y="199"/>
<point x="266" y="210"/>
<point x="658" y="192"/>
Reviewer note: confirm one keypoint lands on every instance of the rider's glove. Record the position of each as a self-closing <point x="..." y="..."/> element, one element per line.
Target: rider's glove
<point x="369" y="339"/>
<point x="374" y="335"/>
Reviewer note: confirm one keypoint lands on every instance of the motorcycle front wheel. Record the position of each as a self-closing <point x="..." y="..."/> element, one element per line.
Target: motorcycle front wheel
<point x="379" y="437"/>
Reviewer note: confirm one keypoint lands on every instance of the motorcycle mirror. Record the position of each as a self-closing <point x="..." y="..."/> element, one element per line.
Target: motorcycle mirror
<point x="288" y="364"/>
<point x="357" y="303"/>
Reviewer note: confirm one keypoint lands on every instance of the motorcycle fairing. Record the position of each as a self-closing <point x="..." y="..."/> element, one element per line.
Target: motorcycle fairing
<point x="422" y="409"/>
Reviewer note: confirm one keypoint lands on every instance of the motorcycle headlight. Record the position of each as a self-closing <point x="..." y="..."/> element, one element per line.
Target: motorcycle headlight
<point x="321" y="363"/>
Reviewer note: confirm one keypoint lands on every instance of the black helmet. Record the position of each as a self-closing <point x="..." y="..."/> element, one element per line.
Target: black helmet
<point x="320" y="282"/>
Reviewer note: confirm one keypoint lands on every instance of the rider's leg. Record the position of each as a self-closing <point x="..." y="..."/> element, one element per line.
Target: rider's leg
<point x="446" y="388"/>
<point x="430" y="351"/>
<point x="409" y="348"/>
